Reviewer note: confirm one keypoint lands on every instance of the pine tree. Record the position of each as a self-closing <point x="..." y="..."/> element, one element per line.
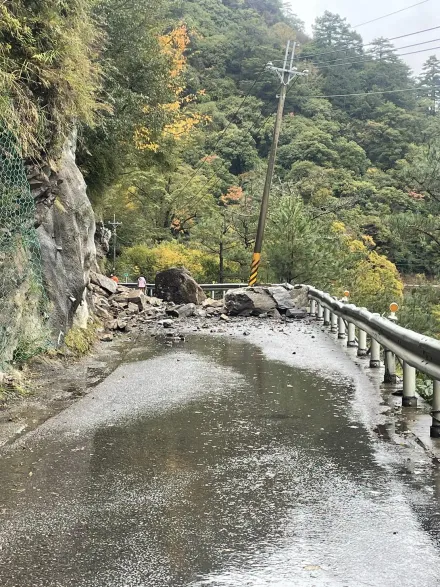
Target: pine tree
<point x="430" y="79"/>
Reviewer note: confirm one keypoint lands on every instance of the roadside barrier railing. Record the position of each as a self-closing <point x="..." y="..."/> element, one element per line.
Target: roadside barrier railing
<point x="415" y="351"/>
<point x="213" y="288"/>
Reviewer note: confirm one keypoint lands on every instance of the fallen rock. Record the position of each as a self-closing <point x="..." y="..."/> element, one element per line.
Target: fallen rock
<point x="153" y="301"/>
<point x="225" y="318"/>
<point x="101" y="301"/>
<point x="210" y="303"/>
<point x="123" y="289"/>
<point x="299" y="295"/>
<point x="138" y="298"/>
<point x="104" y="282"/>
<point x="133" y="308"/>
<point x="98" y="290"/>
<point x="296" y="314"/>
<point x="121" y="324"/>
<point x="106" y="337"/>
<point x="248" y="301"/>
<point x="182" y="311"/>
<point x="103" y="313"/>
<point x="282" y="297"/>
<point x="178" y="286"/>
<point x="111" y="325"/>
<point x="167" y="323"/>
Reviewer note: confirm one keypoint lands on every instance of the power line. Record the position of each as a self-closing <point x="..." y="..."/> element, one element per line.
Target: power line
<point x="371" y="93"/>
<point x="368" y="58"/>
<point x="368" y="55"/>
<point x="356" y="26"/>
<point x="322" y="53"/>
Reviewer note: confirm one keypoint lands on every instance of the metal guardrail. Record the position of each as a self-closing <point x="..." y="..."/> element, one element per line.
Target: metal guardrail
<point x="416" y="351"/>
<point x="421" y="352"/>
<point x="211" y="287"/>
<point x="205" y="286"/>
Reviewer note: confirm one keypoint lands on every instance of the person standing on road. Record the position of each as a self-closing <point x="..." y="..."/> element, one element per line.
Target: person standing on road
<point x="142" y="283"/>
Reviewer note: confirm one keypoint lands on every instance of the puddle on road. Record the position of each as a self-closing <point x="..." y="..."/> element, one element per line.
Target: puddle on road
<point x="258" y="479"/>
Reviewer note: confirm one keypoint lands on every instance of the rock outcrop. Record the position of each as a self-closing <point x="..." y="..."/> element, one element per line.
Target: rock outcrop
<point x="178" y="286"/>
<point x="66" y="229"/>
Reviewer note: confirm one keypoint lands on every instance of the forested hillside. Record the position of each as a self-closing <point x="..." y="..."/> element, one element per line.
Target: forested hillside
<point x="175" y="112"/>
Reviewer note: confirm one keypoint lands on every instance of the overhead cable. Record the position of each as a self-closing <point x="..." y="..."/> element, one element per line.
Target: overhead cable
<point x="356" y="26"/>
<point x="374" y="92"/>
<point x="369" y="59"/>
<point x="347" y="47"/>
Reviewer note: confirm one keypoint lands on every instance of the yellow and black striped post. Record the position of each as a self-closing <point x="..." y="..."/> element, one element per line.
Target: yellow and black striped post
<point x="256" y="259"/>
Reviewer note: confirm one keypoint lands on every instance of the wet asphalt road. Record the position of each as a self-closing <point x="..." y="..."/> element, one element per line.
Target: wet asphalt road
<point x="211" y="464"/>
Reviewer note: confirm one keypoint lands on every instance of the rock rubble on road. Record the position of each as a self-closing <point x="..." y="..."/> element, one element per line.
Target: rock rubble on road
<point x="122" y="309"/>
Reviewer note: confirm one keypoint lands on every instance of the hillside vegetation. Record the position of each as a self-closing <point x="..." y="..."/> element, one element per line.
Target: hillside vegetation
<point x="176" y="109"/>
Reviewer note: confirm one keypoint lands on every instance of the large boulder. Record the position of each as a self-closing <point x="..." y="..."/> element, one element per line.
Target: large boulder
<point x="254" y="301"/>
<point x="178" y="286"/>
<point x="300" y="297"/>
<point x="249" y="301"/>
<point x="282" y="297"/>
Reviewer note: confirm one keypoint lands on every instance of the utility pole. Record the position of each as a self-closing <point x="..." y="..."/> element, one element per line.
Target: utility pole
<point x="114" y="226"/>
<point x="287" y="74"/>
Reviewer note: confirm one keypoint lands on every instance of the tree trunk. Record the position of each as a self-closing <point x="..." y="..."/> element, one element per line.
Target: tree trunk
<point x="221" y="270"/>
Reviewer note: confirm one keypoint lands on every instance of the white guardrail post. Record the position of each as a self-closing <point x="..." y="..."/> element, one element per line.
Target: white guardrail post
<point x="390" y="367"/>
<point x="341" y="327"/>
<point x="334" y="323"/>
<point x="390" y="358"/>
<point x="351" y="335"/>
<point x="320" y="313"/>
<point x="409" y="399"/>
<point x="374" y="354"/>
<point x="435" y="427"/>
<point x="326" y="317"/>
<point x="362" y="344"/>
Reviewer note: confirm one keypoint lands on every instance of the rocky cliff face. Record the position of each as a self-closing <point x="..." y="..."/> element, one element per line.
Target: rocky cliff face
<point x="66" y="229"/>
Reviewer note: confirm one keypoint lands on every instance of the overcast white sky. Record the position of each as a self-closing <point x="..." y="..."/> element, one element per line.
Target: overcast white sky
<point x="425" y="16"/>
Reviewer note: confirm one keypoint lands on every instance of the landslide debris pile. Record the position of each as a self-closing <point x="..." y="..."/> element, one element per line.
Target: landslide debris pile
<point x="121" y="309"/>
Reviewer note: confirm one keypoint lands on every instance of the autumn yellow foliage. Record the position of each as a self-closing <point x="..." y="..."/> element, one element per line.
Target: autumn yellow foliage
<point x="372" y="279"/>
<point x="145" y="260"/>
<point x="180" y="119"/>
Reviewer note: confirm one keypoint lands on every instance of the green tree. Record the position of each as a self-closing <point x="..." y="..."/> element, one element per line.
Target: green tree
<point x="430" y="80"/>
<point x="49" y="74"/>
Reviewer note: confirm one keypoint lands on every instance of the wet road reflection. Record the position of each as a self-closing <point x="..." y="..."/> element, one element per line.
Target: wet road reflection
<point x="242" y="471"/>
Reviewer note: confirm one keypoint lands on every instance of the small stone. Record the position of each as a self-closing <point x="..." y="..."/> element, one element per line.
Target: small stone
<point x="106" y="337"/>
<point x="225" y="318"/>
<point x="167" y="323"/>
